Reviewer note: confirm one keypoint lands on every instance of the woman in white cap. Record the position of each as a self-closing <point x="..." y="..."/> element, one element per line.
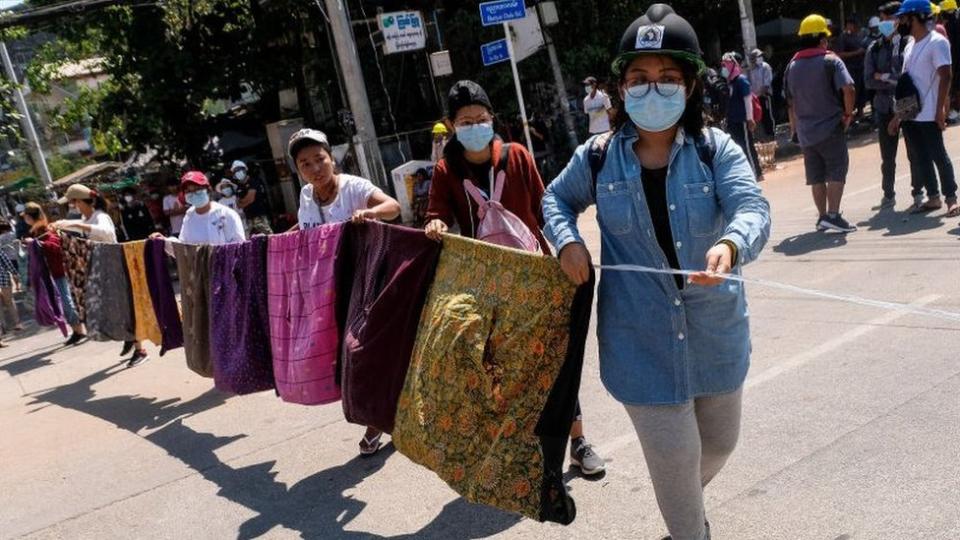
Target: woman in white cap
<point x="329" y="196"/>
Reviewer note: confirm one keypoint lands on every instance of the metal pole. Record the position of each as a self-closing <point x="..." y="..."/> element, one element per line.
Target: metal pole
<point x="561" y="92"/>
<point x="371" y="165"/>
<point x="26" y="122"/>
<point x="516" y="82"/>
<point x="747" y="27"/>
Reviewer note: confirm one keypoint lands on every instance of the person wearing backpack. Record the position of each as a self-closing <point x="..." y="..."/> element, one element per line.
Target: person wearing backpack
<point x="821" y="97"/>
<point x="476" y="164"/>
<point x="669" y="195"/>
<point x="923" y="105"/>
<point x="743" y="111"/>
<point x="882" y="66"/>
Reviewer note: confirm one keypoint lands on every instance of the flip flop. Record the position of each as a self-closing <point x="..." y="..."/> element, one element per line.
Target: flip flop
<point x="925" y="208"/>
<point x="953" y="211"/>
<point x="371" y="446"/>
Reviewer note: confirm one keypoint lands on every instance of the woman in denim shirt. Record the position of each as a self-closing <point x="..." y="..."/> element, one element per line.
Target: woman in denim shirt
<point x="668" y="195"/>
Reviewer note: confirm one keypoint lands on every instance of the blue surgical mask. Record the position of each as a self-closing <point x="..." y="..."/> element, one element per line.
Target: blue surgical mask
<point x="887" y="28"/>
<point x="476" y="137"/>
<point x="656" y="113"/>
<point x="725" y="73"/>
<point x="240" y="175"/>
<point x="227" y="192"/>
<point x="198" y="199"/>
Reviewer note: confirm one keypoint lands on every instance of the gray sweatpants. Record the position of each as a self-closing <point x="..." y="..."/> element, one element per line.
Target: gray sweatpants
<point x="685" y="446"/>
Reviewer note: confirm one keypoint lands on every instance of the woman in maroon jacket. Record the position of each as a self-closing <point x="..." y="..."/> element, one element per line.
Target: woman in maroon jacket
<point x="474" y="153"/>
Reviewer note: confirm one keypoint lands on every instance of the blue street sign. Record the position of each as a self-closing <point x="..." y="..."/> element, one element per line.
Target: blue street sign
<point x="501" y="11"/>
<point x="494" y="52"/>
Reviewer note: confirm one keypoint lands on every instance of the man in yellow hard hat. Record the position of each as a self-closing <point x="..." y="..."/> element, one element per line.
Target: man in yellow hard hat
<point x="440" y="137"/>
<point x="821" y="96"/>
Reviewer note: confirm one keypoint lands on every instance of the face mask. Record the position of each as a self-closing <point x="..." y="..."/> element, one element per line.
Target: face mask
<point x="71" y="207"/>
<point x="476" y="137"/>
<point x="725" y="73"/>
<point x="887" y="28"/>
<point x="128" y="198"/>
<point x="228" y="192"/>
<point x="241" y="175"/>
<point x="198" y="199"/>
<point x="588" y="89"/>
<point x="655" y="113"/>
<point x="903" y="29"/>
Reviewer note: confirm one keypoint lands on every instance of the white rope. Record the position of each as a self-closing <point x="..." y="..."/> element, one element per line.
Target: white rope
<point x="850" y="299"/>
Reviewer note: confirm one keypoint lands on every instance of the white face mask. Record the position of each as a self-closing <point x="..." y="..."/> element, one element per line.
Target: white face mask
<point x="588" y="89"/>
<point x="128" y="198"/>
<point x="241" y="175"/>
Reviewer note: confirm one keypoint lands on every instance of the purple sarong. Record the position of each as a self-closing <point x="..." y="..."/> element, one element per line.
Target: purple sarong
<point x="239" y="331"/>
<point x="162" y="295"/>
<point x="48" y="310"/>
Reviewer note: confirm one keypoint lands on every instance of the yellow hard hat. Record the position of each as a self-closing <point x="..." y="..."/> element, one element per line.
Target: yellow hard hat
<point x="948" y="5"/>
<point x="814" y="25"/>
<point x="934" y="9"/>
<point x="440" y="128"/>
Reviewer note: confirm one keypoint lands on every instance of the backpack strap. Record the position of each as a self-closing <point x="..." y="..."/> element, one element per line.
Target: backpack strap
<point x="474" y="192"/>
<point x="597" y="156"/>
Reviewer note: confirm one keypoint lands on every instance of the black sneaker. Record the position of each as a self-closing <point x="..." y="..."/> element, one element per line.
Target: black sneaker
<point x="138" y="358"/>
<point x="75" y="339"/>
<point x="836" y="223"/>
<point x="820" y="226"/>
<point x="127" y="347"/>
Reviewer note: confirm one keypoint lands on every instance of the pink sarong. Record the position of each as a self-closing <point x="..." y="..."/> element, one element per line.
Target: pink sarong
<point x="302" y="304"/>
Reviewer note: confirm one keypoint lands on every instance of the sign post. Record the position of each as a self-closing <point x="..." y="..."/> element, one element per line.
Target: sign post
<point x="502" y="12"/>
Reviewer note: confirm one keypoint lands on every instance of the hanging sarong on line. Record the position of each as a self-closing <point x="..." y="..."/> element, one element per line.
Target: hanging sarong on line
<point x="144" y="319"/>
<point x="48" y="311"/>
<point x="76" y="252"/>
<point x="494" y="337"/>
<point x="303" y="326"/>
<point x="391" y="269"/>
<point x="108" y="297"/>
<point x="193" y="267"/>
<point x="162" y="296"/>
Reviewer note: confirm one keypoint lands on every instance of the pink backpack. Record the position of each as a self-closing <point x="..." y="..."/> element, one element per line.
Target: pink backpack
<point x="497" y="224"/>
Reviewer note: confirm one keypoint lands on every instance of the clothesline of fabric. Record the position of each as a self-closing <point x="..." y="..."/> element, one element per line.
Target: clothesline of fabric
<point x="848" y="298"/>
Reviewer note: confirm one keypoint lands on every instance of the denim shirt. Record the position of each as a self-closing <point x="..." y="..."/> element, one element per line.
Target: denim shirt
<point x="660" y="344"/>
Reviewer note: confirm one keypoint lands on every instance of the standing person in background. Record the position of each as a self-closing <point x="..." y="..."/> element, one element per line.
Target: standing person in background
<point x="851" y="49"/>
<point x="440" y="138"/>
<point x="52" y="249"/>
<point x="597" y="105"/>
<point x="137" y="222"/>
<point x="882" y="66"/>
<point x="207" y="222"/>
<point x="11" y="319"/>
<point x="821" y="97"/>
<point x="740" y="121"/>
<point x="951" y="21"/>
<point x="20" y="228"/>
<point x="761" y="83"/>
<point x="477" y="155"/>
<point x="252" y="199"/>
<point x="154" y="204"/>
<point x="10" y="246"/>
<point x="928" y="65"/>
<point x="174" y="210"/>
<point x="228" y="195"/>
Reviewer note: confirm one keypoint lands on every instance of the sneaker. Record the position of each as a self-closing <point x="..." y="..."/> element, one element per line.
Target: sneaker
<point x="138" y="358"/>
<point x="888" y="202"/>
<point x="127" y="348"/>
<point x="820" y="226"/>
<point x="75" y="339"/>
<point x="837" y="223"/>
<point x="583" y="456"/>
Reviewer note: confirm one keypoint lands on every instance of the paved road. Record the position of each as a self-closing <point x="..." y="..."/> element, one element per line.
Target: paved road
<point x="850" y="425"/>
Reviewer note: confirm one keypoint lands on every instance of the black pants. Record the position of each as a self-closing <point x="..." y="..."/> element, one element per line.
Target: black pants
<point x="744" y="139"/>
<point x="927" y="156"/>
<point x="769" y="122"/>
<point x="888" y="155"/>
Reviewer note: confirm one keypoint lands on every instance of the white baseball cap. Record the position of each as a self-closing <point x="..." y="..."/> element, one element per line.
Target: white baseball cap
<point x="874" y="22"/>
<point x="237" y="165"/>
<point x="304" y="135"/>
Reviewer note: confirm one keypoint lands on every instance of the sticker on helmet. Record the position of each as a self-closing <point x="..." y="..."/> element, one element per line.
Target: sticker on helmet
<point x="650" y="36"/>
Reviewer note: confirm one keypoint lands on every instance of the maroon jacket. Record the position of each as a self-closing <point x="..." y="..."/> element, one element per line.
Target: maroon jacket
<point x="522" y="193"/>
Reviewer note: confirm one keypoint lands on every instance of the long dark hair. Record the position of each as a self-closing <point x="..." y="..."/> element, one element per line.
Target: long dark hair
<point x="692" y="120"/>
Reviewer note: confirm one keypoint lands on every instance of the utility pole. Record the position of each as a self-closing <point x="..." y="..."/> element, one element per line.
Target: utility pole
<point x="516" y="83"/>
<point x="26" y="122"/>
<point x="747" y="26"/>
<point x="561" y="91"/>
<point x="369" y="158"/>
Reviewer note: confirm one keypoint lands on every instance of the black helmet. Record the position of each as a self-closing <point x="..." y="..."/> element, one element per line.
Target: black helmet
<point x="660" y="31"/>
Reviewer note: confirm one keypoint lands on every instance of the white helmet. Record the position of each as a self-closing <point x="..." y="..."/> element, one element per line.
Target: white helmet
<point x="874" y="22"/>
<point x="237" y="165"/>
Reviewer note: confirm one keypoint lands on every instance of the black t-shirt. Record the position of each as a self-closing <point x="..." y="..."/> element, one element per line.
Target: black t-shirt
<point x="480" y="176"/>
<point x="655" y="189"/>
<point x="259" y="205"/>
<point x="137" y="221"/>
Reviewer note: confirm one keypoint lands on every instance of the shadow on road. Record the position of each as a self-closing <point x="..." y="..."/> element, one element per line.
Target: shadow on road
<point x="803" y="244"/>
<point x="320" y="506"/>
<point x="901" y="223"/>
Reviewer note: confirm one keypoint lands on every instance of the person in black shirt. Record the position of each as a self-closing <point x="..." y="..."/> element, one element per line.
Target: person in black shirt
<point x="137" y="222"/>
<point x="252" y="199"/>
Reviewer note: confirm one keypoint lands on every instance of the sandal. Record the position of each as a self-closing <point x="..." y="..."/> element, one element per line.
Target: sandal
<point x="953" y="209"/>
<point x="925" y="207"/>
<point x="370" y="446"/>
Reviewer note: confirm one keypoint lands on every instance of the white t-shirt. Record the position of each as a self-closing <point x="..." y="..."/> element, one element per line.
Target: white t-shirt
<point x="353" y="195"/>
<point x="102" y="228"/>
<point x="220" y="225"/>
<point x="230" y="202"/>
<point x="172" y="202"/>
<point x="596" y="108"/>
<point x="921" y="60"/>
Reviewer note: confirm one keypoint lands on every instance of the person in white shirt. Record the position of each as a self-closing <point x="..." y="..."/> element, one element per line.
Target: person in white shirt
<point x="94" y="222"/>
<point x="228" y="195"/>
<point x="928" y="64"/>
<point x="597" y="106"/>
<point x="174" y="210"/>
<point x="761" y="82"/>
<point x="207" y="222"/>
<point x="328" y="196"/>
